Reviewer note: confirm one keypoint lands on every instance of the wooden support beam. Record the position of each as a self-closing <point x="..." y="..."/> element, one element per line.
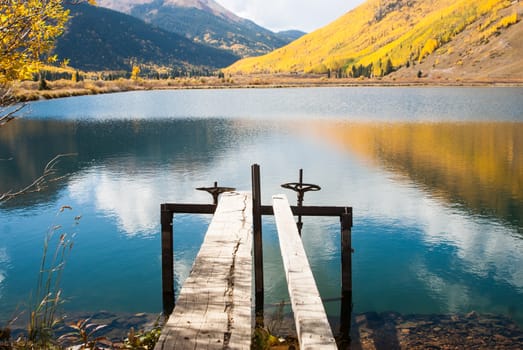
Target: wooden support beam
<point x="213" y="310"/>
<point x="258" y="244"/>
<point x="167" y="262"/>
<point x="189" y="208"/>
<point x="346" y="276"/>
<point x="310" y="210"/>
<point x="312" y="325"/>
<point x="167" y="212"/>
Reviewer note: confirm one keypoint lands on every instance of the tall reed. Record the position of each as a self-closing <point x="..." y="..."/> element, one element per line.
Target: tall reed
<point x="44" y="308"/>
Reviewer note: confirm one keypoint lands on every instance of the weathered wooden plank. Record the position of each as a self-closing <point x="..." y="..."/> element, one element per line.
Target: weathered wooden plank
<point x="213" y="310"/>
<point x="313" y="328"/>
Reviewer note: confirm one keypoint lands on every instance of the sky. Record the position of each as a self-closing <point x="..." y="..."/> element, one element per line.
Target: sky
<point x="278" y="15"/>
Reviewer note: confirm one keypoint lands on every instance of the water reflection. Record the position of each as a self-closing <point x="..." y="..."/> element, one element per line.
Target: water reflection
<point x="438" y="205"/>
<point x="450" y="197"/>
<point x="476" y="164"/>
<point x="127" y="147"/>
<point x="405" y="238"/>
<point x="374" y="103"/>
<point x="4" y="261"/>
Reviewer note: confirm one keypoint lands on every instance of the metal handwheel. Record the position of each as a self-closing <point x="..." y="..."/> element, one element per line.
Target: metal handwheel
<point x="300" y="188"/>
<point x="215" y="191"/>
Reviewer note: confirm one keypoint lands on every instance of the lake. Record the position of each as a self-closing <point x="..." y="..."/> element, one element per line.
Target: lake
<point x="434" y="176"/>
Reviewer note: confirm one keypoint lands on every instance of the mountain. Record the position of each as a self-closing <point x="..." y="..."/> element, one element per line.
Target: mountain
<point x="203" y="21"/>
<point x="213" y="7"/>
<point x="409" y="36"/>
<point x="97" y="38"/>
<point x="290" y="35"/>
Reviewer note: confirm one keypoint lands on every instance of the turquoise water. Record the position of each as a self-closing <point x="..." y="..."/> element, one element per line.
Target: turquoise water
<point x="437" y="226"/>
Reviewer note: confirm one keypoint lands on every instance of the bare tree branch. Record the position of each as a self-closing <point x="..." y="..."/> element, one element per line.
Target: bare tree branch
<point x="40" y="183"/>
<point x="9" y="105"/>
<point x="6" y="118"/>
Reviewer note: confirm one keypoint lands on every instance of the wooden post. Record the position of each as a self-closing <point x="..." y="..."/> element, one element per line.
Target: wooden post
<point x="167" y="261"/>
<point x="257" y="239"/>
<point x="346" y="275"/>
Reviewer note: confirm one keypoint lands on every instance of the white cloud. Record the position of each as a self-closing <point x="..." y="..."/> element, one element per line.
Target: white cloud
<point x="275" y="15"/>
<point x="290" y="14"/>
<point x="132" y="199"/>
<point x="453" y="294"/>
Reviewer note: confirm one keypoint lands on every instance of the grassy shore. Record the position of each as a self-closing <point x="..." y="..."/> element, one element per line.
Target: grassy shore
<point x="29" y="90"/>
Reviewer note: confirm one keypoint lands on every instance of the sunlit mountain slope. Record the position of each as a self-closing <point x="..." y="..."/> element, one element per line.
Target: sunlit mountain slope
<point x="381" y="36"/>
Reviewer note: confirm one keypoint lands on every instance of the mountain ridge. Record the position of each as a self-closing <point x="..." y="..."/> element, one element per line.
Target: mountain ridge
<point x="204" y="21"/>
<point x="383" y="36"/>
<point x="210" y="6"/>
<point x="98" y="38"/>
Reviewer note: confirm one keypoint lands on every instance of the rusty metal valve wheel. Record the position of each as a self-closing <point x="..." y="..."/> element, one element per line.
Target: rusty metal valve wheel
<point x="215" y="191"/>
<point x="301" y="187"/>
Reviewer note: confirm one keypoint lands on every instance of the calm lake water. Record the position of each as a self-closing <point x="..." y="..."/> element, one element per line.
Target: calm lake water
<point x="435" y="177"/>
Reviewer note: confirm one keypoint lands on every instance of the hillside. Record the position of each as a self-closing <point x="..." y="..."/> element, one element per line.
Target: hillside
<point x="101" y="39"/>
<point x="290" y="35"/>
<point x="382" y="36"/>
<point x="204" y="21"/>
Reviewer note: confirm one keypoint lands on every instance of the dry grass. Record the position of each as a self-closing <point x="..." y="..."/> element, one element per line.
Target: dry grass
<point x="28" y="91"/>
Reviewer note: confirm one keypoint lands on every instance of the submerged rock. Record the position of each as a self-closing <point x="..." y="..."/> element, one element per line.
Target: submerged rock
<point x="471" y="331"/>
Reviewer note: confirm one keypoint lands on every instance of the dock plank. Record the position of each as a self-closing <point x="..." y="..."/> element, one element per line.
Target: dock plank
<point x="312" y="325"/>
<point x="213" y="310"/>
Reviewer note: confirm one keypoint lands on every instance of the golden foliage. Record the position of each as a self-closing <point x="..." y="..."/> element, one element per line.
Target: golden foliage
<point x="135" y="72"/>
<point x="508" y="20"/>
<point x="28" y="29"/>
<point x="430" y="46"/>
<point x="505" y="22"/>
<point x="406" y="32"/>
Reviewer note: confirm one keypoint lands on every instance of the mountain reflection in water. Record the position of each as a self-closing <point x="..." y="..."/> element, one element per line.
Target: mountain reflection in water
<point x="476" y="164"/>
<point x="437" y="196"/>
<point x="120" y="145"/>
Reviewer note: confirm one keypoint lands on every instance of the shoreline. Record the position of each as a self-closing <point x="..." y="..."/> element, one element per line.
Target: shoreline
<point x="28" y="91"/>
<point x="369" y="330"/>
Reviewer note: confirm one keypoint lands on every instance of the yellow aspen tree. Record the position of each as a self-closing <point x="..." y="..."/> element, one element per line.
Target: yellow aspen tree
<point x="430" y="46"/>
<point x="135" y="72"/>
<point x="28" y="30"/>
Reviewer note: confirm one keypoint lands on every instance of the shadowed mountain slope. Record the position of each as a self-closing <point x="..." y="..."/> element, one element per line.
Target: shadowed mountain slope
<point x="204" y="21"/>
<point x="97" y="38"/>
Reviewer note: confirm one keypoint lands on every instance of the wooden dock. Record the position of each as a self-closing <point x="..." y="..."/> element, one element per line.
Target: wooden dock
<point x="213" y="310"/>
<point x="312" y="325"/>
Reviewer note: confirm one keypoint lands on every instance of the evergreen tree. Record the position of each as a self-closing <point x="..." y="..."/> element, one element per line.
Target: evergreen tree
<point x="389" y="68"/>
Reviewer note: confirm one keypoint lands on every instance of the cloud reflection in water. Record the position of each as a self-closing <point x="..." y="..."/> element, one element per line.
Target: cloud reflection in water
<point x="427" y="228"/>
<point x="485" y="248"/>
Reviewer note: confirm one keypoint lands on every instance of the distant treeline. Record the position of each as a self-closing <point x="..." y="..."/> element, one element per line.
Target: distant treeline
<point x="115" y="75"/>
